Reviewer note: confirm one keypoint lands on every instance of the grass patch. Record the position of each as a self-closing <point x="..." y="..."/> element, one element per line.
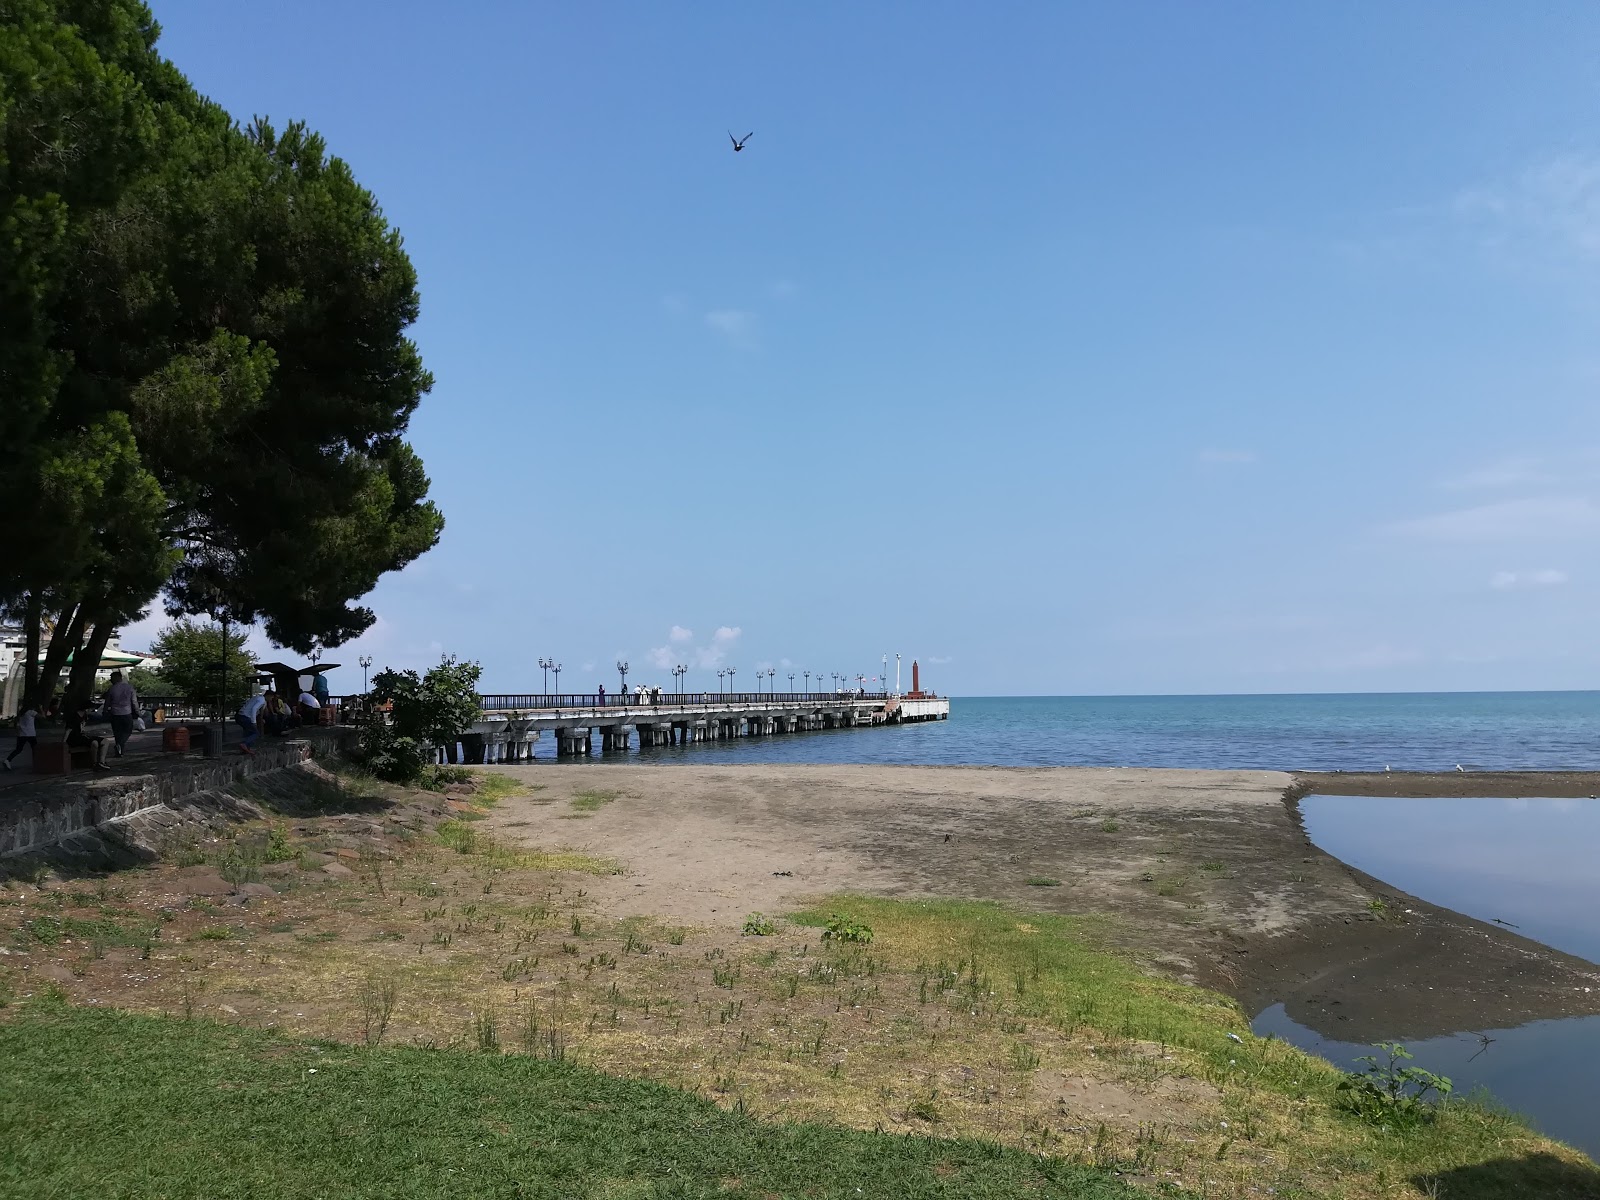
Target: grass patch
<point x="105" y="931"/>
<point x="592" y="800"/>
<point x="495" y="786"/>
<point x="1287" y="1123"/>
<point x="464" y="838"/>
<point x="1042" y="881"/>
<point x="187" y="1096"/>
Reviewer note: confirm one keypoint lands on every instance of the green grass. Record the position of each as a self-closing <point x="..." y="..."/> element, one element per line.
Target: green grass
<point x="592" y="800"/>
<point x="49" y="931"/>
<point x="1055" y="970"/>
<point x="464" y="839"/>
<point x="493" y="787"/>
<point x="108" y="1104"/>
<point x="1042" y="881"/>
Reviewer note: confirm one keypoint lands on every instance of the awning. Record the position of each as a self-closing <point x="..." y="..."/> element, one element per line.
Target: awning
<point x="109" y="660"/>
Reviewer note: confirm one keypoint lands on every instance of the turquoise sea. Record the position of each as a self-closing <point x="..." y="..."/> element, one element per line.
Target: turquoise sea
<point x="1424" y="731"/>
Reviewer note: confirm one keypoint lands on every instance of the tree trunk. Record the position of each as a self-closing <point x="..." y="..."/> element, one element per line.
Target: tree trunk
<point x="80" y="688"/>
<point x="33" y="614"/>
<point x="67" y="636"/>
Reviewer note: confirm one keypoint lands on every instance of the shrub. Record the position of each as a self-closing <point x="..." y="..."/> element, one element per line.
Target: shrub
<point x="388" y="754"/>
<point x="843" y="929"/>
<point x="756" y="925"/>
<point x="1387" y="1094"/>
<point x="278" y="848"/>
<point x="433" y="709"/>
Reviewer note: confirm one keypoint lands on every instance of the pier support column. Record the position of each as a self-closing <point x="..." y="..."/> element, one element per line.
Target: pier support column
<point x="573" y="743"/>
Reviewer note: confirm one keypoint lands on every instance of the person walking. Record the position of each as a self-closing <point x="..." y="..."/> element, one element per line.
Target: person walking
<point x="27" y="733"/>
<point x="602" y="695"/>
<point x="249" y="712"/>
<point x="122" y="705"/>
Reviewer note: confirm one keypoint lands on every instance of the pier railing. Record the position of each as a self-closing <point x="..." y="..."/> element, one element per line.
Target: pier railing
<point x="492" y="702"/>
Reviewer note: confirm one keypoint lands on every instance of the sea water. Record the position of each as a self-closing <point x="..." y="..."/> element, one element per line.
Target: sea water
<point x="1432" y="731"/>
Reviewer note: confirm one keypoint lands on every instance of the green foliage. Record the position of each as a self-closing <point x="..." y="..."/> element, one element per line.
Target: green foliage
<point x="1042" y="881"/>
<point x="203" y="357"/>
<point x="1392" y="1096"/>
<point x="756" y="925"/>
<point x="383" y="751"/>
<point x="278" y="847"/>
<point x="240" y="865"/>
<point x="441" y="777"/>
<point x="433" y="709"/>
<point x="190" y="652"/>
<point x="843" y="929"/>
<point x="149" y="682"/>
<point x="592" y="799"/>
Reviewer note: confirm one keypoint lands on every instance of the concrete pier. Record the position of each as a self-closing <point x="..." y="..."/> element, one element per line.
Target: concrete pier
<point x="681" y="719"/>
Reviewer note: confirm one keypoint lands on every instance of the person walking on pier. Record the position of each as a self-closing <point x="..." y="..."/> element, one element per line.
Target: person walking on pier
<point x="602" y="695"/>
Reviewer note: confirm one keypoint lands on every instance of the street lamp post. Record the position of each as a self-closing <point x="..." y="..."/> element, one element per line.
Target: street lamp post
<point x="366" y="661"/>
<point x="791" y="683"/>
<point x="680" y="671"/>
<point x="772" y="673"/>
<point x="544" y="665"/>
<point x="884" y="678"/>
<point x="730" y="680"/>
<point x="807" y="675"/>
<point x="622" y="672"/>
<point x="722" y="673"/>
<point x="556" y="667"/>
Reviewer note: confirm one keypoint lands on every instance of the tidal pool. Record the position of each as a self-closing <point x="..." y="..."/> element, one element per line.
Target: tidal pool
<point x="1529" y="864"/>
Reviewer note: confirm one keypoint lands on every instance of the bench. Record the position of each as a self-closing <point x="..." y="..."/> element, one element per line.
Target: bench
<point x="57" y="758"/>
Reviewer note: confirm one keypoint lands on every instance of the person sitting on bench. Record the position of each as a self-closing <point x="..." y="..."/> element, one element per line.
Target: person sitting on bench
<point x="78" y="738"/>
<point x="277" y="716"/>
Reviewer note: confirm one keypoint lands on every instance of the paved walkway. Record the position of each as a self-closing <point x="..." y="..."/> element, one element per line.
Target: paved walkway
<point x="141" y="756"/>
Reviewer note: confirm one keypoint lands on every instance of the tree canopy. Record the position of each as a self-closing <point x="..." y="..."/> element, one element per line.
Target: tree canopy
<point x="202" y="350"/>
<point x="191" y="654"/>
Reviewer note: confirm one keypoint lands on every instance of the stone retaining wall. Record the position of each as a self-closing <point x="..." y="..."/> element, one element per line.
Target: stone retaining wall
<point x="33" y="817"/>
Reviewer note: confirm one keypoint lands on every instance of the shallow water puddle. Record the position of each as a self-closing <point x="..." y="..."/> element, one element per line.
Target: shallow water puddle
<point x="1545" y="1070"/>
<point x="1526" y="863"/>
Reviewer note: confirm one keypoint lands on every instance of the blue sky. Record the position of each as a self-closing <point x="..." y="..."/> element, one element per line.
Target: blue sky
<point x="1072" y="349"/>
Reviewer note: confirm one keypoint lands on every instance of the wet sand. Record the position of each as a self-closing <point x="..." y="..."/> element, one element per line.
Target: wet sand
<point x="1207" y="875"/>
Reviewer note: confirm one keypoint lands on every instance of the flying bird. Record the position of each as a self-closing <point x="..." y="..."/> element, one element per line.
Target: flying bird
<point x="738" y="143"/>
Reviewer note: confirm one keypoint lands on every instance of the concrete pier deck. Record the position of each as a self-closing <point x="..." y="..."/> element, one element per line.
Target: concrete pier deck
<point x="513" y="722"/>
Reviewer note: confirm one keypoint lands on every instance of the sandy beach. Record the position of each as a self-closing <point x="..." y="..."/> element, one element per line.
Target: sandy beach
<point x="1204" y="875"/>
